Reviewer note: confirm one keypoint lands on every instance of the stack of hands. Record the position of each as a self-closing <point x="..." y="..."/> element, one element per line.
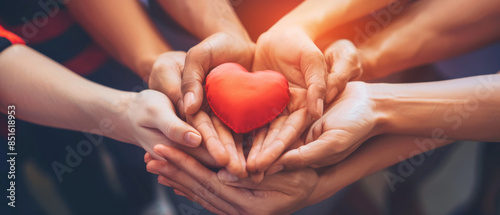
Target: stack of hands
<point x="325" y="120"/>
<point x="334" y="131"/>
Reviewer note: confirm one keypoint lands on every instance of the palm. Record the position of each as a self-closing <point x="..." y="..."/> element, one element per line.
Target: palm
<point x="286" y="55"/>
<point x="348" y="122"/>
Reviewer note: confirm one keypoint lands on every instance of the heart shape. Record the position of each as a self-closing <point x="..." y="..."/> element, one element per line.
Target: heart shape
<point x="244" y="100"/>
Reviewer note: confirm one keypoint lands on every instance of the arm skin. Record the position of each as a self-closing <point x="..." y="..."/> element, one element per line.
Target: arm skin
<point x="317" y="17"/>
<point x="432" y="35"/>
<point x="459" y="109"/>
<point x="376" y="154"/>
<point x="204" y="18"/>
<point x="124" y="29"/>
<point x="464" y="109"/>
<point x="46" y="93"/>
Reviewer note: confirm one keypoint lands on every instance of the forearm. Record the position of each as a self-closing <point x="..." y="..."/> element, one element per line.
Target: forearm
<point x="46" y="93"/>
<point x="317" y="17"/>
<point x="204" y="18"/>
<point x="124" y="29"/>
<point x="460" y="109"/>
<point x="424" y="34"/>
<point x="376" y="154"/>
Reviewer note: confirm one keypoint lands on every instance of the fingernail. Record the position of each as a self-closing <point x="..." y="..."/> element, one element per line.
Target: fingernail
<point x="320" y="107"/>
<point x="192" y="139"/>
<point x="225" y="176"/>
<point x="189" y="100"/>
<point x="274" y="169"/>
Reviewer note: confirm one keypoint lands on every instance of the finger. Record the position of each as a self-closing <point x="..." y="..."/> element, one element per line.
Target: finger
<point x="152" y="137"/>
<point x="147" y="157"/>
<point x="172" y="184"/>
<point x="256" y="151"/>
<point x="315" y="154"/>
<point x="154" y="166"/>
<point x="184" y="191"/>
<point x="342" y="58"/>
<point x="190" y="171"/>
<point x="277" y="182"/>
<point x="314" y="68"/>
<point x="315" y="131"/>
<point x="203" y="123"/>
<point x="196" y="67"/>
<point x="292" y="128"/>
<point x="257" y="177"/>
<point x="180" y="193"/>
<point x="201" y="154"/>
<point x="166" y="76"/>
<point x="241" y="156"/>
<point x="258" y="140"/>
<point x="270" y="136"/>
<point x="177" y="130"/>
<point x="229" y="144"/>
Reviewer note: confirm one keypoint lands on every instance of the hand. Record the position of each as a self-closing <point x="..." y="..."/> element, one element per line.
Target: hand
<point x="270" y="142"/>
<point x="148" y="118"/>
<point x="217" y="138"/>
<point x="344" y="65"/>
<point x="223" y="193"/>
<point x="215" y="50"/>
<point x="166" y="77"/>
<point x="291" y="52"/>
<point x="351" y="120"/>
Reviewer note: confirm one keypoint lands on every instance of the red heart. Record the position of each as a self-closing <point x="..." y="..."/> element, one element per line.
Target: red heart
<point x="244" y="100"/>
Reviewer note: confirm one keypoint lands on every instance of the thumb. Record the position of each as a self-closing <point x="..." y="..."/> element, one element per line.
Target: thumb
<point x="196" y="67"/>
<point x="304" y="156"/>
<point x="315" y="70"/>
<point x="345" y="65"/>
<point x="177" y="130"/>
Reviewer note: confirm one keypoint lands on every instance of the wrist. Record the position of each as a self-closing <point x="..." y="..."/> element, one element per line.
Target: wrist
<point x="368" y="58"/>
<point x="381" y="107"/>
<point x="110" y="114"/>
<point x="144" y="65"/>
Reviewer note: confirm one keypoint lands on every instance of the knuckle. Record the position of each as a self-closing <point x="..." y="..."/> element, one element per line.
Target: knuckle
<point x="302" y="160"/>
<point x="204" y="125"/>
<point x="292" y="127"/>
<point x="174" y="129"/>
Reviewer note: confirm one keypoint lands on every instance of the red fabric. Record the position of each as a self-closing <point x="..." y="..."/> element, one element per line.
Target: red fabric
<point x="14" y="39"/>
<point x="87" y="61"/>
<point x="244" y="100"/>
<point x="56" y="26"/>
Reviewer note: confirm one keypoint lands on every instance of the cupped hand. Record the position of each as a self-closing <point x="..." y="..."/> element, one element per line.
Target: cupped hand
<point x="215" y="50"/>
<point x="271" y="141"/>
<point x="223" y="193"/>
<point x="166" y="77"/>
<point x="291" y="52"/>
<point x="351" y="119"/>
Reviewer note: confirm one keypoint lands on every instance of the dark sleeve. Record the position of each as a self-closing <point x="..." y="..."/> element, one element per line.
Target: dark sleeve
<point x="8" y="38"/>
